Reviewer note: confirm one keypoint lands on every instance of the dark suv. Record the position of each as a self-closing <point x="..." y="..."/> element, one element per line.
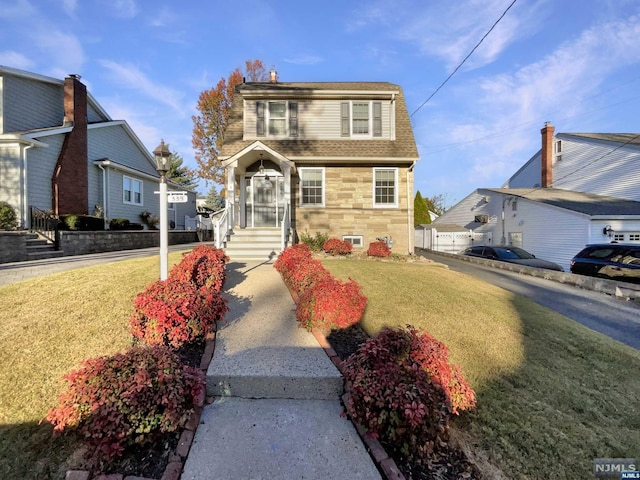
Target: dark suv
<point x="615" y="261"/>
<point x="511" y="255"/>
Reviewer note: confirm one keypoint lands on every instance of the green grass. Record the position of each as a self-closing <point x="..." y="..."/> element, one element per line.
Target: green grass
<point x="49" y="325"/>
<point x="552" y="394"/>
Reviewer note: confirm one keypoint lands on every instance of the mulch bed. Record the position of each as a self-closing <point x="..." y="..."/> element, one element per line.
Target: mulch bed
<point x="150" y="461"/>
<point x="452" y="466"/>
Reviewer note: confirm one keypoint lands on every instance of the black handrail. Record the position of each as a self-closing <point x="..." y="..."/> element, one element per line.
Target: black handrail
<point x="45" y="224"/>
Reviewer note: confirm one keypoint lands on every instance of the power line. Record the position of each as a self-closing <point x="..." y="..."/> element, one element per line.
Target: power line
<point x="465" y="59"/>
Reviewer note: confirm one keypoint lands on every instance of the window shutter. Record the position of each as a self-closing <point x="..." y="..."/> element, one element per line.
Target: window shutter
<point x="344" y="117"/>
<point x="293" y="119"/>
<point x="260" y="107"/>
<point x="377" y="119"/>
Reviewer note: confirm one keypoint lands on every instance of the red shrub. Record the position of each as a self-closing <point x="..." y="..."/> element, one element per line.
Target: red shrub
<point x="114" y="402"/>
<point x="291" y="256"/>
<point x="298" y="270"/>
<point x="378" y="249"/>
<point x="335" y="246"/>
<point x="174" y="312"/>
<point x="204" y="266"/>
<point x="396" y="398"/>
<point x="330" y="303"/>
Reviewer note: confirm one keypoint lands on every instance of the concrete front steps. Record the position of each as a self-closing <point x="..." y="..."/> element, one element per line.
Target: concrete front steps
<point x="254" y="244"/>
<point x="39" y="248"/>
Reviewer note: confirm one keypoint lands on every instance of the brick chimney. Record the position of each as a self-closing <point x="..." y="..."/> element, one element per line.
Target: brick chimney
<point x="546" y="160"/>
<point x="69" y="182"/>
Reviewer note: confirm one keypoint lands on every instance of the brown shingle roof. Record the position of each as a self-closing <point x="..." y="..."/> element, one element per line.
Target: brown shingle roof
<point x="403" y="148"/>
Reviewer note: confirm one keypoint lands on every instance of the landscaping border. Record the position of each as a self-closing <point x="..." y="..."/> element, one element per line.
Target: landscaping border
<point x="173" y="470"/>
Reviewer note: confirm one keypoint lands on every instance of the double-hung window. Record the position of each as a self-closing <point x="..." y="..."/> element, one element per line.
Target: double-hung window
<point x="277" y="119"/>
<point x="361" y="119"/>
<point x="385" y="187"/>
<point x="311" y="187"/>
<point x="131" y="191"/>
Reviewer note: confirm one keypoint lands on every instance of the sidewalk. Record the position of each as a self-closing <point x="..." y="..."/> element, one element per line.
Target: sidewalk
<point x="18" y="271"/>
<point x="277" y="408"/>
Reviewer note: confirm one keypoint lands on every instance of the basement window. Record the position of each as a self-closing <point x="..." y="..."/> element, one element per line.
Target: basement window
<point x="355" y="240"/>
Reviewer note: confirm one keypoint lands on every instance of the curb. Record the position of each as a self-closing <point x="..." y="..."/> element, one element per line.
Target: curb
<point x="173" y="470"/>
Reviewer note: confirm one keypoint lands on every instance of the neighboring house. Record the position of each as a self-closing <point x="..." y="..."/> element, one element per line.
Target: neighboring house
<point x="578" y="189"/>
<point x="60" y="151"/>
<point x="335" y="158"/>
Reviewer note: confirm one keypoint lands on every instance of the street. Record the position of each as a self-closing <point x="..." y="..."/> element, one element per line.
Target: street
<point x="616" y="318"/>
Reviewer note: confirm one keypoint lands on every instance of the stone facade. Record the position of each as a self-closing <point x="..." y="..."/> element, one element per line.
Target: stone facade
<point x="349" y="209"/>
<point x="80" y="243"/>
<point x="13" y="246"/>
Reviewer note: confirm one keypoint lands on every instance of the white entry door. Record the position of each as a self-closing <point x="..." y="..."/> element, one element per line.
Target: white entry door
<point x="264" y="201"/>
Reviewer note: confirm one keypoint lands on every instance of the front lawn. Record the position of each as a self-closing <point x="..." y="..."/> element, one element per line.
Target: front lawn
<point x="49" y="325"/>
<point x="552" y="394"/>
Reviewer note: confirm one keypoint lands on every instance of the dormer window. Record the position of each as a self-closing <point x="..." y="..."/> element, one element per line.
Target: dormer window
<point x="277" y="119"/>
<point x="361" y="119"/>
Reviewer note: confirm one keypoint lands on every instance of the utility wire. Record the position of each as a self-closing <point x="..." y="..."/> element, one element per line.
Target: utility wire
<point x="464" y="60"/>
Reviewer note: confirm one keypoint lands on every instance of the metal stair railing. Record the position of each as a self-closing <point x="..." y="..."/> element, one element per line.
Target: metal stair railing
<point x="45" y="224"/>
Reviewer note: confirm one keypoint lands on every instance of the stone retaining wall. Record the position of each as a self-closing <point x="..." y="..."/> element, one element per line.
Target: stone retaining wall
<point x="80" y="243"/>
<point x="13" y="246"/>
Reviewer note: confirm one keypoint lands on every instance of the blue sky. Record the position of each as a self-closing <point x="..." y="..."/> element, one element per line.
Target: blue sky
<point x="575" y="63"/>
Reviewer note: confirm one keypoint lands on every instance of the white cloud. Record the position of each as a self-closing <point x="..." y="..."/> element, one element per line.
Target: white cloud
<point x="70" y="6"/>
<point x="304" y="60"/>
<point x="131" y="77"/>
<point x="163" y="18"/>
<point x="126" y="9"/>
<point x="15" y="10"/>
<point x="64" y="51"/>
<point x="15" y="60"/>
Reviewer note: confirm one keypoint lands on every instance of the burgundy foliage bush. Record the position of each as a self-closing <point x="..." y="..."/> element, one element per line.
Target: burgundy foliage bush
<point x="114" y="402"/>
<point x="335" y="246"/>
<point x="204" y="266"/>
<point x="298" y="269"/>
<point x="174" y="312"/>
<point x="378" y="249"/>
<point x="403" y="390"/>
<point x="331" y="303"/>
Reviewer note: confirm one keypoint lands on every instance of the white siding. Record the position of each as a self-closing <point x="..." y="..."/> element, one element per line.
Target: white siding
<point x="593" y="166"/>
<point x="548" y="232"/>
<point x="464" y="213"/>
<point x="529" y="176"/>
<point x="317" y="120"/>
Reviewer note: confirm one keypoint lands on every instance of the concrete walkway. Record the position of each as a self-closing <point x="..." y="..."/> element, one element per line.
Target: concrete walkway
<point x="277" y="412"/>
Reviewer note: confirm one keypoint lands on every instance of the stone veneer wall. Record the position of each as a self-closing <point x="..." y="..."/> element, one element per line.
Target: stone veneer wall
<point x="13" y="246"/>
<point x="79" y="243"/>
<point x="349" y="209"/>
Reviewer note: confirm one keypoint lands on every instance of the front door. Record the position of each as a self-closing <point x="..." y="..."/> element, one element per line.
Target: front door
<point x="264" y="202"/>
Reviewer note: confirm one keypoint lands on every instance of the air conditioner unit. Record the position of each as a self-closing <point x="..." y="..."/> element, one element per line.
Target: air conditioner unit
<point x="481" y="219"/>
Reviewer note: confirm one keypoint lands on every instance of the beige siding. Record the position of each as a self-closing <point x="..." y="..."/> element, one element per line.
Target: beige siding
<point x="349" y="208"/>
<point x="317" y="120"/>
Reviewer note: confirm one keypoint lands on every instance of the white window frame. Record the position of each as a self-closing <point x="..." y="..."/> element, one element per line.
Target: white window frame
<point x="301" y="171"/>
<point x="133" y="182"/>
<point x="395" y="183"/>
<point x="369" y="119"/>
<point x="357" y="241"/>
<point x="285" y="119"/>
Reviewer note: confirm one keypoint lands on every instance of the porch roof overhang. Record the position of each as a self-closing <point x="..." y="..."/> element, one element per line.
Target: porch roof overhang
<point x="251" y="154"/>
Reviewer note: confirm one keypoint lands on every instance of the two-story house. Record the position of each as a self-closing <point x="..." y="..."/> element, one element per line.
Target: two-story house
<point x="335" y="158"/>
<point x="60" y="151"/>
<point x="578" y="189"/>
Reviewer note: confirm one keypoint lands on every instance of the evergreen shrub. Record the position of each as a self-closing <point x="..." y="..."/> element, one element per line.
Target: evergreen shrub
<point x="8" y="217"/>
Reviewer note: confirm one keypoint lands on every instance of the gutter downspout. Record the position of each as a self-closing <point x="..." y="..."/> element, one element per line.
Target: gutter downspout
<point x="104" y="195"/>
<point x="25" y="187"/>
<point x="411" y="239"/>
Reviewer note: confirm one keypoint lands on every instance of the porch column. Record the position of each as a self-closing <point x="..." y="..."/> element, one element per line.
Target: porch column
<point x="231" y="195"/>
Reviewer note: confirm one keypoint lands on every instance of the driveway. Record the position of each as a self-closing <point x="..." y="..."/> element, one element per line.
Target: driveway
<point x="616" y="318"/>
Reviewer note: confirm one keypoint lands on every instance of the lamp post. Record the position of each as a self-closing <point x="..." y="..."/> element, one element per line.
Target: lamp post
<point x="161" y="156"/>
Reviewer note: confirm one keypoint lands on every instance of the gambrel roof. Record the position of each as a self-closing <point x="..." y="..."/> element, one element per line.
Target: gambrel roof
<point x="401" y="150"/>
